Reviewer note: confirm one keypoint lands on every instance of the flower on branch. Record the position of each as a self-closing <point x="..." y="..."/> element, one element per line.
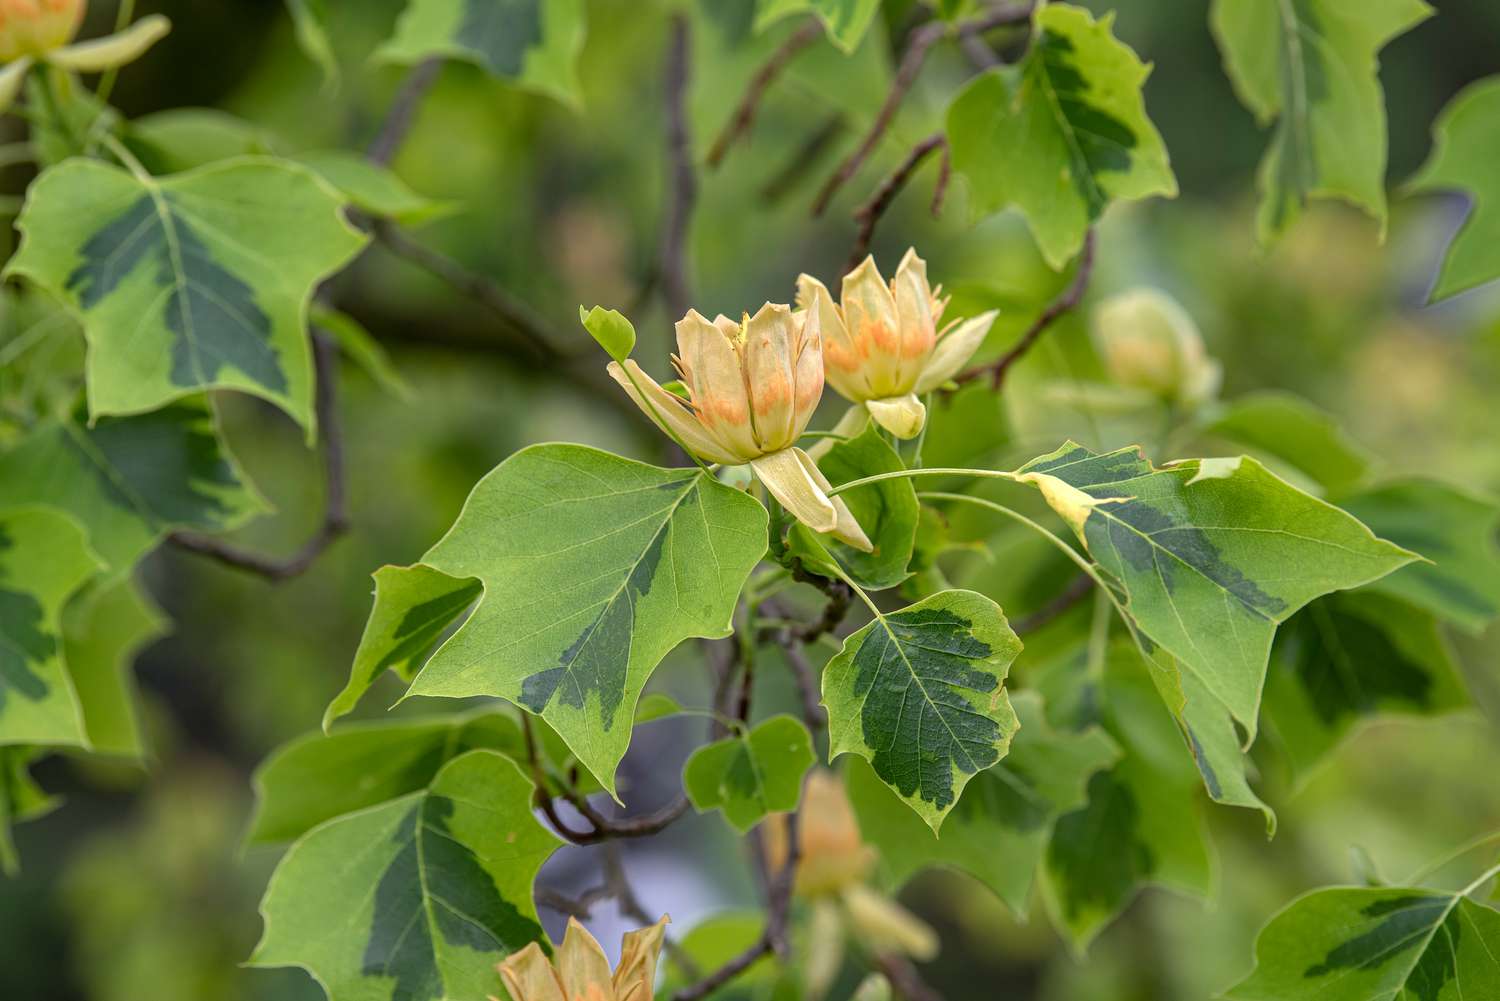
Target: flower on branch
<point x="33" y="31"/>
<point x="581" y="972"/>
<point x="751" y="387"/>
<point x="882" y="346"/>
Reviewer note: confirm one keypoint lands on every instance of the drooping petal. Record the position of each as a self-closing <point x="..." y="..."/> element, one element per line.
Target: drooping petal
<point x="12" y="76"/>
<point x="843" y="365"/>
<point x="788" y="480"/>
<point x="528" y="976"/>
<point x="100" y="54"/>
<point x="714" y="373"/>
<point x="845" y="529"/>
<point x="635" y="977"/>
<point x="954" y="349"/>
<point x="670" y="413"/>
<point x="771" y="376"/>
<point x="902" y="416"/>
<point x="874" y="324"/>
<point x="883" y="925"/>
<point x="918" y="325"/>
<point x="825" y="949"/>
<point x="582" y="966"/>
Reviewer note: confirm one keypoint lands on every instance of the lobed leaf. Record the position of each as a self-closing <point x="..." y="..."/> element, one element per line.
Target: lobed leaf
<point x="751" y="775"/>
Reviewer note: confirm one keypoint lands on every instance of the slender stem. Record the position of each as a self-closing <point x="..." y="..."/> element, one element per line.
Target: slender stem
<point x="123" y="17"/>
<point x="403" y="112"/>
<point x="123" y="154"/>
<point x="1098" y="635"/>
<point x="1492" y="871"/>
<point x="1416" y="878"/>
<point x="682" y="182"/>
<point x="916" y="455"/>
<point x="869" y="214"/>
<point x="744" y="115"/>
<point x="901" y="474"/>
<point x="1014" y="515"/>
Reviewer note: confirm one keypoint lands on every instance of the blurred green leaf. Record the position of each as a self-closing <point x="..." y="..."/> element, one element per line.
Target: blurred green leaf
<point x="1288" y="428"/>
<point x="179" y="139"/>
<point x="845" y="20"/>
<point x="104" y="629"/>
<point x="21" y="799"/>
<point x="310" y="21"/>
<point x="417" y="898"/>
<point x="371" y="188"/>
<point x="361" y="347"/>
<point x="1310" y="66"/>
<point x="1466" y="143"/>
<point x="1063" y="134"/>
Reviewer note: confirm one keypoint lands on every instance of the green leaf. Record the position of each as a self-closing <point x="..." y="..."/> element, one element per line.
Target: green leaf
<point x="999" y="830"/>
<point x="1310" y="66"/>
<point x="418" y="898"/>
<point x="21" y="799"/>
<point x="888" y="512"/>
<point x="1375" y="943"/>
<point x="593" y="567"/>
<point x="1457" y="531"/>
<point x="1142" y="824"/>
<point x="1288" y="428"/>
<point x="1347" y="658"/>
<point x="195" y="281"/>
<point x="414" y="606"/>
<point x="371" y="188"/>
<point x="104" y="629"/>
<point x="1209" y="555"/>
<point x="751" y="775"/>
<point x="846" y="21"/>
<point x="1466" y="143"/>
<point x="920" y="694"/>
<point x="318" y="777"/>
<point x="1063" y="134"/>
<point x="130" y="480"/>
<point x="531" y="42"/>
<point x="361" y="347"/>
<point x="179" y="139"/>
<point x="310" y="22"/>
<point x="43" y="560"/>
<point x="611" y="328"/>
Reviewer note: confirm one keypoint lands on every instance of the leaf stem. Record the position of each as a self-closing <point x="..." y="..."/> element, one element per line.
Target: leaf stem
<point x="1416" y="878"/>
<point x="123" y="154"/>
<point x="899" y="474"/>
<point x="1015" y="515"/>
<point x="123" y="17"/>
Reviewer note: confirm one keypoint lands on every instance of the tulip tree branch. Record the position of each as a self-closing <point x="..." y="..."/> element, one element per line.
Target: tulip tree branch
<point x="403" y="112"/>
<point x="744" y="114"/>
<point x="1063" y="304"/>
<point x="922" y="38"/>
<point x="869" y="214"/>
<point x="682" y="182"/>
<point x="906" y="982"/>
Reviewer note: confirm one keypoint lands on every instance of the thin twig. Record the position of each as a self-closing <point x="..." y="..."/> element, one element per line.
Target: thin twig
<point x="335" y="502"/>
<point x="1078" y="588"/>
<point x="869" y="214"/>
<point x="630" y="906"/>
<point x="918" y="43"/>
<point x="744" y="114"/>
<point x="1070" y="298"/>
<point x="580" y="907"/>
<point x="682" y="183"/>
<point x="403" y="112"/>
<point x="904" y="978"/>
<point x="813" y="713"/>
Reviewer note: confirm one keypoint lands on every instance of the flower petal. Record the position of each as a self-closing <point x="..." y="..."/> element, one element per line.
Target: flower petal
<point x="713" y="369"/>
<point x="635" y="977"/>
<point x="582" y="966"/>
<point x="669" y="413"/>
<point x="846" y="529"/>
<point x="770" y="374"/>
<point x="885" y="926"/>
<point x="918" y="324"/>
<point x="902" y="416"/>
<point x="788" y="480"/>
<point x="874" y="326"/>
<point x="954" y="349"/>
<point x="807" y="367"/>
<point x="843" y="365"/>
<point x="99" y="54"/>
<point x="528" y="976"/>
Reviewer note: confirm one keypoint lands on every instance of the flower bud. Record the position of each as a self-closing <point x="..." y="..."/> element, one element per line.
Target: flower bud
<point x="34" y="27"/>
<point x="882" y="347"/>
<point x="1148" y="341"/>
<point x="833" y="855"/>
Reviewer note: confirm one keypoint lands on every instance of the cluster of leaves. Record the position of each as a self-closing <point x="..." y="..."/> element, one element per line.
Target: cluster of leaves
<point x="1290" y="591"/>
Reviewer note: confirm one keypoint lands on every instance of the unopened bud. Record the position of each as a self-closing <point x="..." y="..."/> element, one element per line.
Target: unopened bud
<point x="1148" y="341"/>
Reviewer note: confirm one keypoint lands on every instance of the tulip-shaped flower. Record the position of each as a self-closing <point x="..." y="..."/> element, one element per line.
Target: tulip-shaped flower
<point x="40" y="30"/>
<point x="882" y="347"/>
<point x="1148" y="341"/>
<point x="752" y="386"/>
<point x="581" y="970"/>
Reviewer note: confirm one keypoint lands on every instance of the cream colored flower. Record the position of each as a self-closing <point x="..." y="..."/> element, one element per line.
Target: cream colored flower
<point x="40" y="30"/>
<point x="581" y="970"/>
<point x="882" y="347"/>
<point x="752" y="386"/>
<point x="1148" y="341"/>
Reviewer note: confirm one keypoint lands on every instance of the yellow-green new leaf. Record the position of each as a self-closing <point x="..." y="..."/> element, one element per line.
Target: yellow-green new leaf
<point x="417" y="898"/>
<point x="920" y="694"/>
<point x="1310" y="66"/>
<point x="189" y="282"/>
<point x="1063" y="134"/>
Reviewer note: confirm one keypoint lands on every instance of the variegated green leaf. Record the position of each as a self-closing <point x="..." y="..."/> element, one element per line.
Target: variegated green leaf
<point x="194" y="281"/>
<point x="999" y="830"/>
<point x="415" y="899"/>
<point x="1374" y="944"/>
<point x="1466" y="141"/>
<point x="1346" y="658"/>
<point x="590" y="568"/>
<point x="533" y="42"/>
<point x="1310" y="67"/>
<point x="130" y="480"/>
<point x="1457" y="531"/>
<point x="751" y="775"/>
<point x="1062" y="135"/>
<point x="44" y="560"/>
<point x="1209" y="555"/>
<point x="920" y="694"/>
